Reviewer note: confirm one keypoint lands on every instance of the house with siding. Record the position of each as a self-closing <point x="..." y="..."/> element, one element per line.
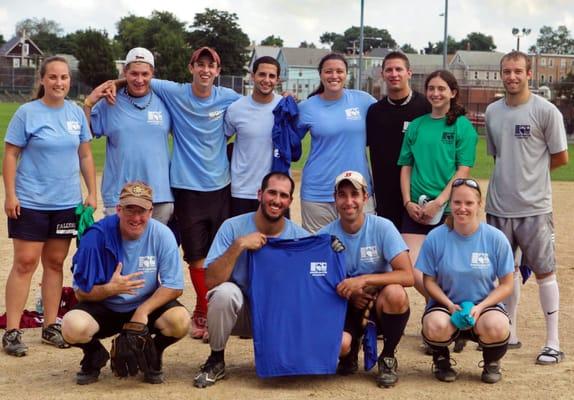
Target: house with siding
<point x="299" y="69"/>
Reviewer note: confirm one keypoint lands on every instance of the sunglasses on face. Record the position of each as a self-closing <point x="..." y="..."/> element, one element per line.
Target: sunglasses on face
<point x="468" y="182"/>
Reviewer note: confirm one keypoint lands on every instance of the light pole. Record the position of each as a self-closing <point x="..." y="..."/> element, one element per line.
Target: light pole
<point x="520" y="33"/>
<point x="361" y="38"/>
<point x="445" y="39"/>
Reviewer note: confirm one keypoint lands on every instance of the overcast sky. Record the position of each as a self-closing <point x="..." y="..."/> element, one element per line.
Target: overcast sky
<point x="415" y="21"/>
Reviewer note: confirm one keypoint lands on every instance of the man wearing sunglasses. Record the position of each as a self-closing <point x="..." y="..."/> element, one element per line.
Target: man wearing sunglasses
<point x="127" y="277"/>
<point x="526" y="137"/>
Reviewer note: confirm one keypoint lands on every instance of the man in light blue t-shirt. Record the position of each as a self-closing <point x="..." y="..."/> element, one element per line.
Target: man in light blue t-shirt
<point x="127" y="277"/>
<point x="227" y="268"/>
<point x="251" y="120"/>
<point x="378" y="270"/>
<point x="137" y="128"/>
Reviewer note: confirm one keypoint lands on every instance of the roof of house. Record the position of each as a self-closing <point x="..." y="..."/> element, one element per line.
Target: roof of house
<point x="10" y="44"/>
<point x="475" y="59"/>
<point x="262" y="51"/>
<point x="303" y="57"/>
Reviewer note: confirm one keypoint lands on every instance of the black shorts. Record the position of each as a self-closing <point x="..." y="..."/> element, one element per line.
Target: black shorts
<point x="243" y="206"/>
<point x="411" y="226"/>
<point x="354" y="320"/>
<point x="199" y="216"/>
<point x="111" y="322"/>
<point x="41" y="225"/>
<point x="467" y="334"/>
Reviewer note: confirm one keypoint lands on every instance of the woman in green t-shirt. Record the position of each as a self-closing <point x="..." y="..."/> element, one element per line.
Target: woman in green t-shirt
<point x="438" y="148"/>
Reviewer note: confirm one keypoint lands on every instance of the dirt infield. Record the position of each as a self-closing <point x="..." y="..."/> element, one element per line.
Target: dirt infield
<point x="48" y="373"/>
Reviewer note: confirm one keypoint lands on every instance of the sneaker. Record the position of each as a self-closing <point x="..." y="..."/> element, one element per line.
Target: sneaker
<point x="387" y="376"/>
<point x="209" y="373"/>
<point x="155" y="374"/>
<point x="205" y="338"/>
<point x="491" y="372"/>
<point x="91" y="365"/>
<point x="12" y="343"/>
<point x="442" y="369"/>
<point x="52" y="334"/>
<point x="459" y="345"/>
<point x="198" y="326"/>
<point x="349" y="364"/>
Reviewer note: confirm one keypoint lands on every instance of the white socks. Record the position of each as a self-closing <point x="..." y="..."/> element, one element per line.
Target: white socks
<point x="550" y="302"/>
<point x="511" y="305"/>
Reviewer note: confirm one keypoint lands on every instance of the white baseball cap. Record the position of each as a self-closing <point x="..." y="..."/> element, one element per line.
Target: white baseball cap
<point x="139" y="54"/>
<point x="356" y="179"/>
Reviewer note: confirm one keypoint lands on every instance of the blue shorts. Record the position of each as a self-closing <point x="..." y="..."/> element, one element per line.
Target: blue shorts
<point x="41" y="225"/>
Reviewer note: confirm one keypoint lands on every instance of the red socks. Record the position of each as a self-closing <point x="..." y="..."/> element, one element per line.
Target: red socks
<point x="198" y="279"/>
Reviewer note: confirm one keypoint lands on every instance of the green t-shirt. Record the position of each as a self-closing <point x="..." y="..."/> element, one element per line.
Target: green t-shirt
<point x="435" y="151"/>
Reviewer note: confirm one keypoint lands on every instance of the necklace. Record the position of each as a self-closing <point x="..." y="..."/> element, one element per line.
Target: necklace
<point x="406" y="101"/>
<point x="133" y="103"/>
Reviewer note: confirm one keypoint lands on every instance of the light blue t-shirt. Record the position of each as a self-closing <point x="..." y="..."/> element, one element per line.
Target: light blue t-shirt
<point x="199" y="160"/>
<point x="155" y="254"/>
<point x="252" y="123"/>
<point x="137" y="145"/>
<point x="48" y="173"/>
<point x="466" y="267"/>
<point x="372" y="248"/>
<point x="237" y="227"/>
<point x="338" y="141"/>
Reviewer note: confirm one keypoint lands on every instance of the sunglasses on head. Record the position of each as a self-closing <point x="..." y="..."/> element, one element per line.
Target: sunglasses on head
<point x="468" y="182"/>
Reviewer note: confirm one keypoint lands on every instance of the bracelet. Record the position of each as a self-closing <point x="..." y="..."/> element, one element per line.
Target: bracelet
<point x="88" y="103"/>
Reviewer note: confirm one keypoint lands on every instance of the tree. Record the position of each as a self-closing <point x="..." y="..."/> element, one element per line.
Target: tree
<point x="437" y="48"/>
<point x="552" y="41"/>
<point x="94" y="53"/>
<point x="305" y="45"/>
<point x="45" y="33"/>
<point x="164" y="35"/>
<point x="2" y="41"/>
<point x="408" y="49"/>
<point x="349" y="40"/>
<point x="220" y="30"/>
<point x="477" y="41"/>
<point x="272" y="41"/>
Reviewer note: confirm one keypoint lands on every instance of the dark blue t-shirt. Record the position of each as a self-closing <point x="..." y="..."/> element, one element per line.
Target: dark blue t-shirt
<point x="297" y="315"/>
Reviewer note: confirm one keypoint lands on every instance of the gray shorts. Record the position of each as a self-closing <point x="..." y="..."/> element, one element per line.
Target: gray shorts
<point x="315" y="215"/>
<point x="534" y="236"/>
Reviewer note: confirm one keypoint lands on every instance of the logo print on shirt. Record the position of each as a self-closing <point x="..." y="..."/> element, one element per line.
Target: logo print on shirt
<point x="147" y="264"/>
<point x="405" y="125"/>
<point x="215" y="115"/>
<point x="447" y="137"/>
<point x="74" y="127"/>
<point x="479" y="260"/>
<point x="522" y="131"/>
<point x="369" y="254"/>
<point x="318" y="268"/>
<point x="154" y="117"/>
<point x="353" y="113"/>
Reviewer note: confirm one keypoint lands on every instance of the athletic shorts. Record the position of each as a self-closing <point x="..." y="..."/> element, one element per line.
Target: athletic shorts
<point x="111" y="322"/>
<point x="354" y="320"/>
<point x="199" y="216"/>
<point x="243" y="206"/>
<point x="410" y="226"/>
<point x="315" y="215"/>
<point x="534" y="236"/>
<point x="467" y="334"/>
<point x="41" y="225"/>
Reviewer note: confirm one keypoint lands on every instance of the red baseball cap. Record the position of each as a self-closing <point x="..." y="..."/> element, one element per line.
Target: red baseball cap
<point x="205" y="50"/>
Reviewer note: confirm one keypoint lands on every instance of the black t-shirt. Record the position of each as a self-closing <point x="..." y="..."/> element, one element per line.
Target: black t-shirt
<point x="385" y="131"/>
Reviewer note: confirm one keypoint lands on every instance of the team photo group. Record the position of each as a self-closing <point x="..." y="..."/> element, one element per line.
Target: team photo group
<point x="387" y="199"/>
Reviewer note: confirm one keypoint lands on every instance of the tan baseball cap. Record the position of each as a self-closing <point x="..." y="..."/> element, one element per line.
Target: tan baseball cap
<point x="136" y="194"/>
<point x="205" y="50"/>
<point x="354" y="177"/>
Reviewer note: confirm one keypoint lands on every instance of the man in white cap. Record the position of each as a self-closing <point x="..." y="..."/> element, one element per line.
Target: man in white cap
<point x="127" y="277"/>
<point x="378" y="269"/>
<point x="137" y="128"/>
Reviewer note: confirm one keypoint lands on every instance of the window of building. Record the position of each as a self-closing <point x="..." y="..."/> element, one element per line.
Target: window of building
<point x="550" y="79"/>
<point x="487" y="75"/>
<point x="475" y="74"/>
<point x="550" y="62"/>
<point x="25" y="49"/>
<point x="495" y="76"/>
<point x="16" y="63"/>
<point x="543" y="61"/>
<point x="563" y="63"/>
<point x="541" y="78"/>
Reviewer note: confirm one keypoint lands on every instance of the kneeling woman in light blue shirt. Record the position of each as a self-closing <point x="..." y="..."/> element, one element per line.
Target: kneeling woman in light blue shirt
<point x="466" y="261"/>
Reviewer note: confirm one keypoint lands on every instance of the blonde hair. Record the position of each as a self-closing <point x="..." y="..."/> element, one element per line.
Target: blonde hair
<point x="449" y="220"/>
<point x="40" y="90"/>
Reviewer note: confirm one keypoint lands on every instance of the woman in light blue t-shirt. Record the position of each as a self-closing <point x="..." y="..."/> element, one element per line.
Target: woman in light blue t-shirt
<point x="468" y="270"/>
<point x="47" y="146"/>
<point x="336" y="119"/>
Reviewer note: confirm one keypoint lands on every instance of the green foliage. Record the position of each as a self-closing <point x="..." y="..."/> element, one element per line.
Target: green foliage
<point x="305" y="45"/>
<point x="552" y="41"/>
<point x="408" y="49"/>
<point x="94" y="53"/>
<point x="220" y="30"/>
<point x="164" y="35"/>
<point x="349" y="40"/>
<point x="2" y="41"/>
<point x="474" y="41"/>
<point x="272" y="41"/>
<point x="47" y="34"/>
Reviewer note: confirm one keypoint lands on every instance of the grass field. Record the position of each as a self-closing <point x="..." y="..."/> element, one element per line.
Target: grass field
<point x="482" y="168"/>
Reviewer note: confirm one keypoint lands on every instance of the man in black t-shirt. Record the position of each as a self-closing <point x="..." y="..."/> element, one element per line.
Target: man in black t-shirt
<point x="387" y="122"/>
